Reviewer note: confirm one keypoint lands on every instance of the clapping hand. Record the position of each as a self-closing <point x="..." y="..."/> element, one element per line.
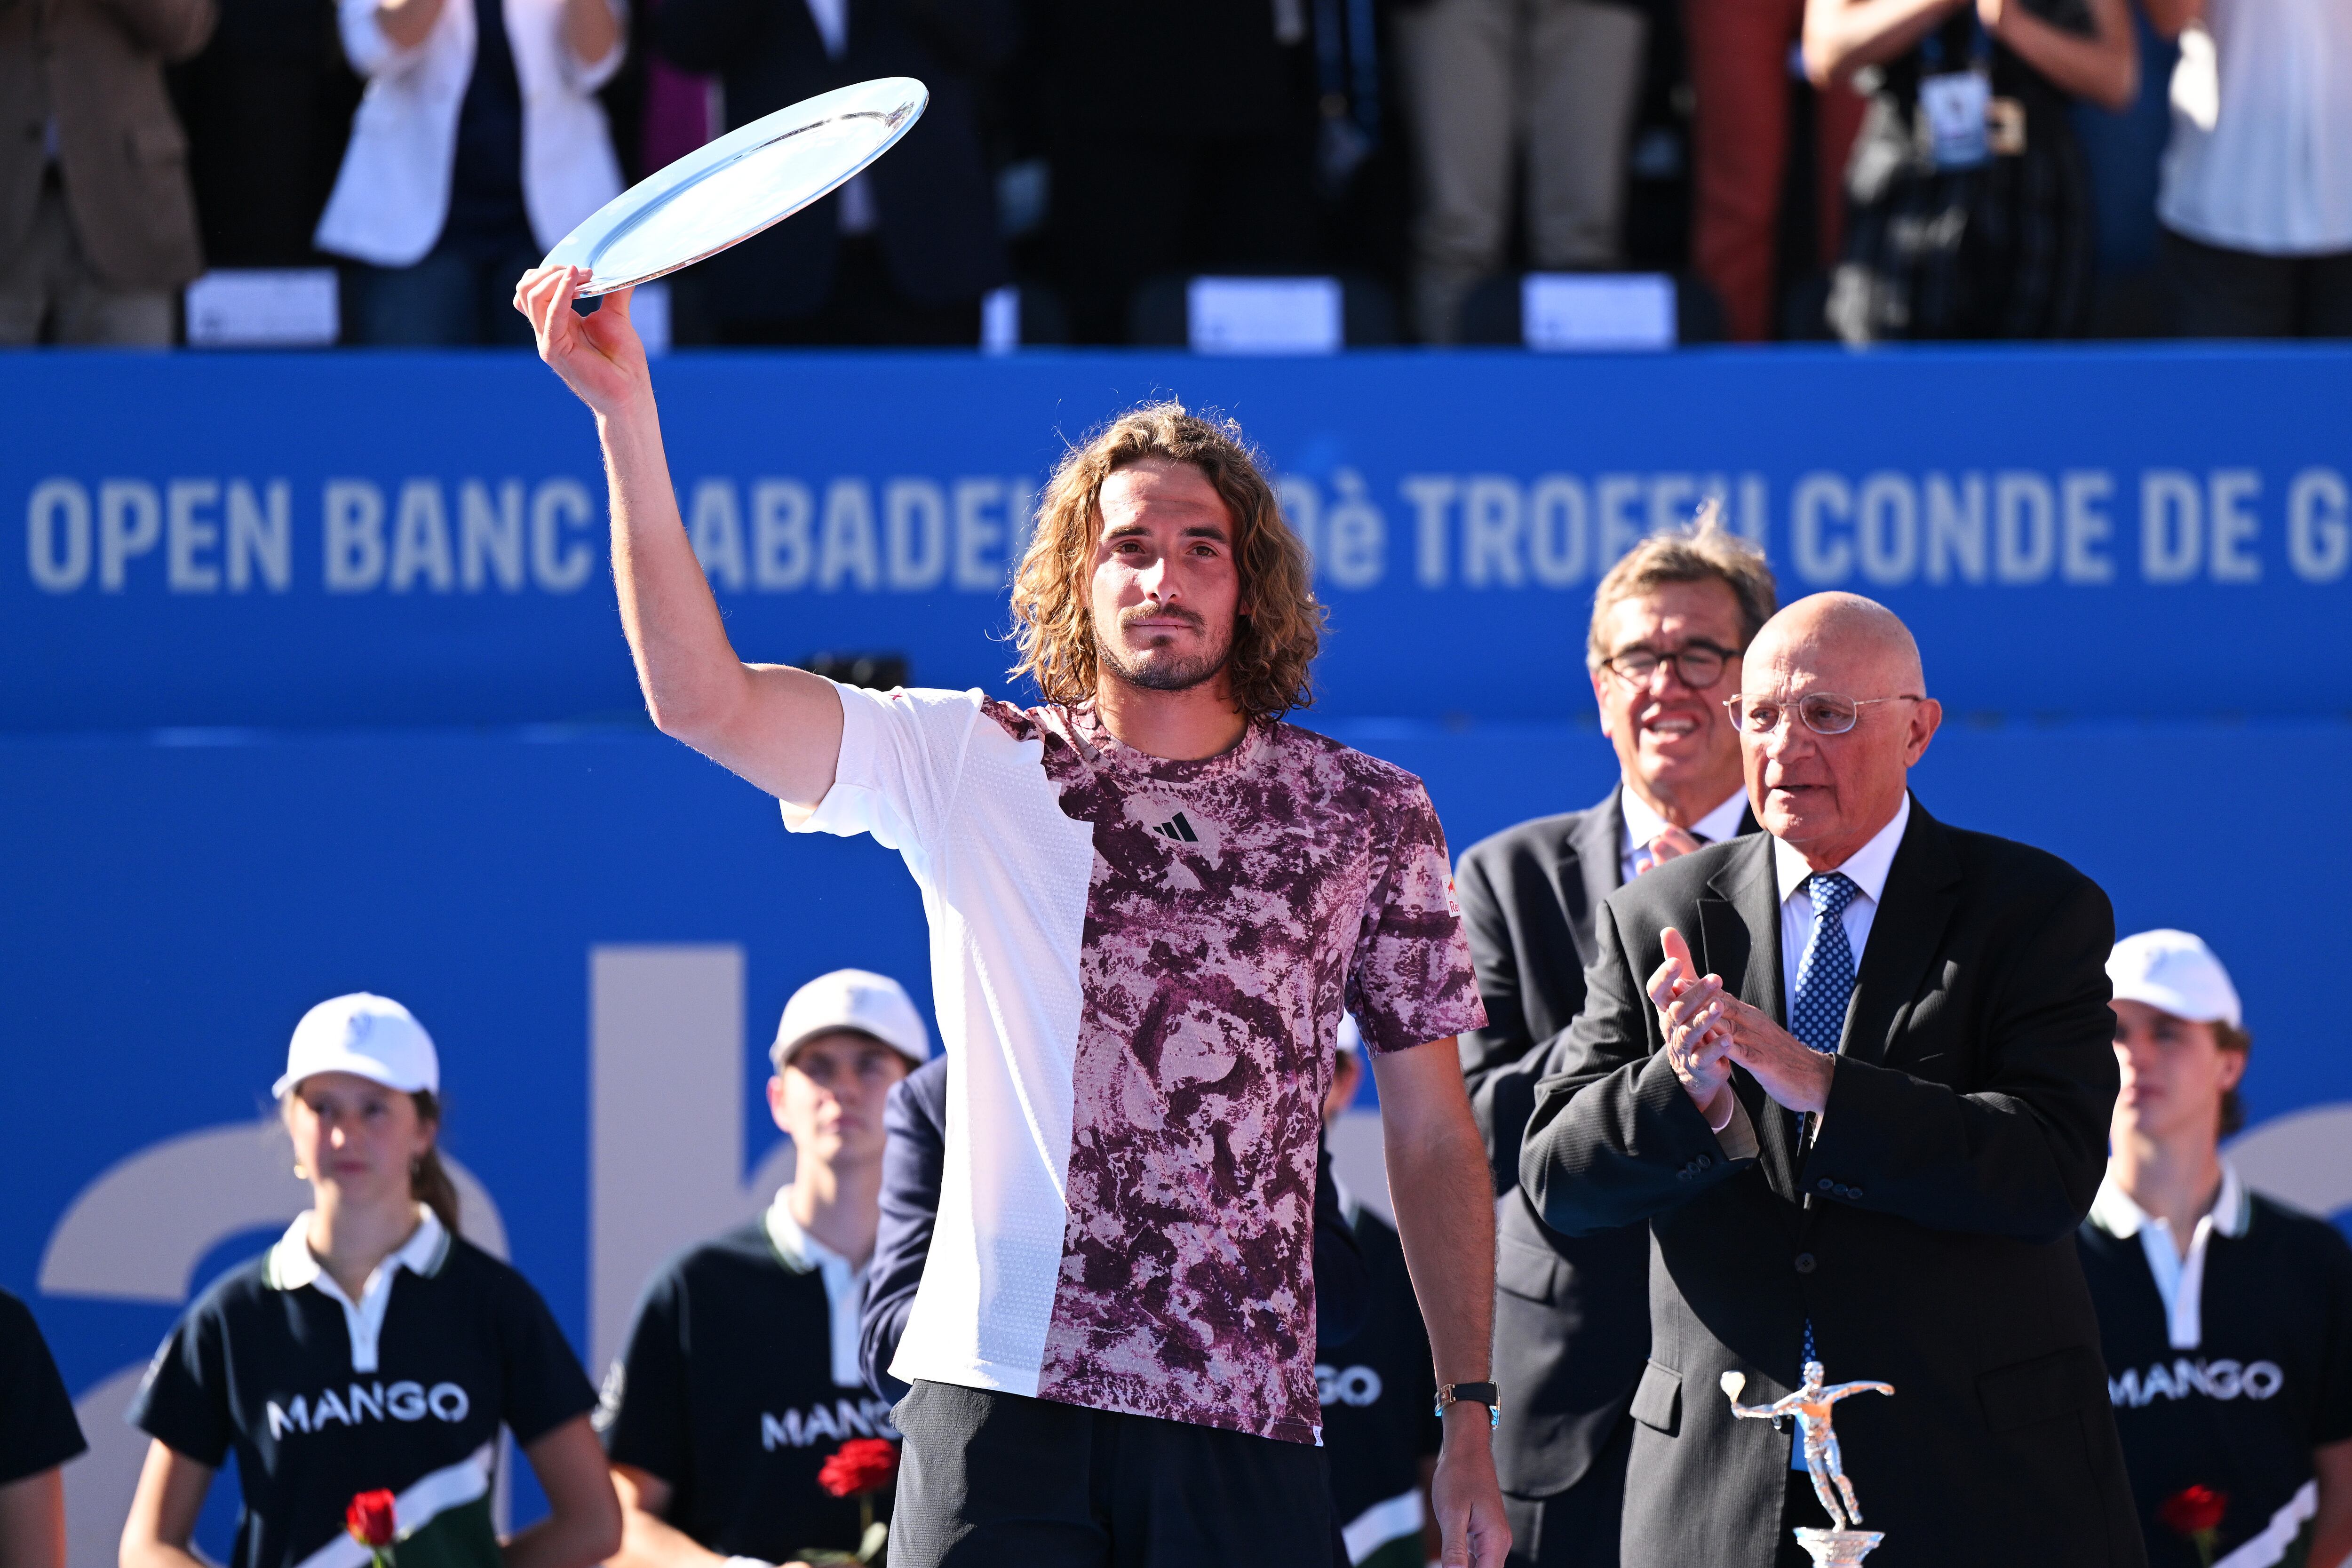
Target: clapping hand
<point x="1691" y="1016"/>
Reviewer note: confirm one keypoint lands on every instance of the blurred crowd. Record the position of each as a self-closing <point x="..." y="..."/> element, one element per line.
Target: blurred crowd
<point x="1869" y="170"/>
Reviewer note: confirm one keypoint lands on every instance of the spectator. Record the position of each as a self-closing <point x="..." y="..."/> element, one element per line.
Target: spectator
<point x="2256" y="200"/>
<point x="39" y="1436"/>
<point x="1195" y="99"/>
<point x="98" y="228"/>
<point x="1970" y="206"/>
<point x="267" y="107"/>
<point x="738" y="1377"/>
<point x="1487" y="81"/>
<point x="1739" y="52"/>
<point x="480" y="144"/>
<point x="903" y="253"/>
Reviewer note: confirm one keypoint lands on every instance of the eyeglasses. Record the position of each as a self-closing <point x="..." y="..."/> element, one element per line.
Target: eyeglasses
<point x="1698" y="665"/>
<point x="1822" y="712"/>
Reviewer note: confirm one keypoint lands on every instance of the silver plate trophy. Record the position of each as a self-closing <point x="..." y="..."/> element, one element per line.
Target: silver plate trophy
<point x="755" y="176"/>
<point x="1845" y="1546"/>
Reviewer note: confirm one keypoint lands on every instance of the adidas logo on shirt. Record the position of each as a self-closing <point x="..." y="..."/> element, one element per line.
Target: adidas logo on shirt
<point x="402" y="1401"/>
<point x="860" y="1418"/>
<point x="1176" y="828"/>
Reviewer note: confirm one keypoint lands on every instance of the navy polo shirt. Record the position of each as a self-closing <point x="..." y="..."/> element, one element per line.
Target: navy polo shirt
<point x="733" y="1387"/>
<point x="322" y="1398"/>
<point x="2266" y="1379"/>
<point x="1377" y="1389"/>
<point x="37" y="1429"/>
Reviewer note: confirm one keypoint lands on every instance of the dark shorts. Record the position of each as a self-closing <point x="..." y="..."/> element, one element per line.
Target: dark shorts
<point x="993" y="1479"/>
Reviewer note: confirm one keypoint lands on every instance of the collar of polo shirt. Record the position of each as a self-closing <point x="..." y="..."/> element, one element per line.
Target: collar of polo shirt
<point x="2180" y="1279"/>
<point x="292" y="1265"/>
<point x="801" y="1253"/>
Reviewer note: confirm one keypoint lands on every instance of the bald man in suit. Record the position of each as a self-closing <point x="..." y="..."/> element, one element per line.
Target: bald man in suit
<point x="1855" y="1074"/>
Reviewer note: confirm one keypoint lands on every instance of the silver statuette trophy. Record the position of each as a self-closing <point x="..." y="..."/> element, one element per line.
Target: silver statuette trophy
<point x="1844" y="1546"/>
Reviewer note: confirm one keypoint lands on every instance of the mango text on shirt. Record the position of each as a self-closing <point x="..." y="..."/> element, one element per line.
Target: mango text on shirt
<point x="402" y="1401"/>
<point x="863" y="1419"/>
<point x="2216" y="1380"/>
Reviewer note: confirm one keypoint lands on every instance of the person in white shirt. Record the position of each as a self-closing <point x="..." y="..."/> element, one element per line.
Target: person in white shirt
<point x="2257" y="195"/>
<point x="480" y="144"/>
<point x="2225" y="1319"/>
<point x="739" y="1378"/>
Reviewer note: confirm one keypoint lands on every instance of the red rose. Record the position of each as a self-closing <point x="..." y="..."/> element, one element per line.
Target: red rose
<point x="860" y="1464"/>
<point x="2193" y="1510"/>
<point x="369" y="1518"/>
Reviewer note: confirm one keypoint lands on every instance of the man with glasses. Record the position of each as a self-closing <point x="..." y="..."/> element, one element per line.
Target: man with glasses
<point x="1571" y="1321"/>
<point x="1855" y="1074"/>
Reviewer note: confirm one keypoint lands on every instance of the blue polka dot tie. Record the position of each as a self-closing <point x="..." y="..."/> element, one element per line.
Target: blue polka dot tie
<point x="1825" y="974"/>
<point x="1824" y="985"/>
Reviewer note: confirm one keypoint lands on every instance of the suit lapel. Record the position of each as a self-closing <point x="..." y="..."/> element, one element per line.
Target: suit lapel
<point x="1590" y="859"/>
<point x="1922" y="889"/>
<point x="1740" y="921"/>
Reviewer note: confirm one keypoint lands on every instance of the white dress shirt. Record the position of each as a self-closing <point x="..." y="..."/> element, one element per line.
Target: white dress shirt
<point x="1867" y="868"/>
<point x="801" y="1253"/>
<point x="2260" y="153"/>
<point x="2180" y="1279"/>
<point x="1643" y="823"/>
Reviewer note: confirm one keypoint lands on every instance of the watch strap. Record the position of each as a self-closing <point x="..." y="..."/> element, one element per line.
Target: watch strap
<point x="1471" y="1394"/>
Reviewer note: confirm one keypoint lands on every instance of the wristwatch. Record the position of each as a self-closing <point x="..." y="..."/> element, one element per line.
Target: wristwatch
<point x="1471" y="1394"/>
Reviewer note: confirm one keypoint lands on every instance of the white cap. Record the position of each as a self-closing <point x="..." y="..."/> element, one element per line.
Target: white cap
<point x="855" y="999"/>
<point x="2176" y="973"/>
<point x="372" y="1036"/>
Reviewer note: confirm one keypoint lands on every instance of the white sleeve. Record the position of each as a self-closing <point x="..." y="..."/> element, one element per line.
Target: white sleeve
<point x="900" y="755"/>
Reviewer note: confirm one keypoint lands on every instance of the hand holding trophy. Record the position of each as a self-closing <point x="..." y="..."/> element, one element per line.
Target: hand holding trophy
<point x="1843" y="1545"/>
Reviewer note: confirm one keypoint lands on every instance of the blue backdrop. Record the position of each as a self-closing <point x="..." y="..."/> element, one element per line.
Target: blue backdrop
<point x="418" y="539"/>
<point x="319" y="686"/>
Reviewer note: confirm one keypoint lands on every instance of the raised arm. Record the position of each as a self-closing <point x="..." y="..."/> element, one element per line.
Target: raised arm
<point x="779" y="727"/>
<point x="1844" y="36"/>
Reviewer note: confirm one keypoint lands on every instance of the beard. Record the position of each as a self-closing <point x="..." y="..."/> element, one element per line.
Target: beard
<point x="1160" y="670"/>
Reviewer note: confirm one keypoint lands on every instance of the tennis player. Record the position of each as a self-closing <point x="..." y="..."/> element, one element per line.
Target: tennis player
<point x="1151" y="901"/>
<point x="371" y="1349"/>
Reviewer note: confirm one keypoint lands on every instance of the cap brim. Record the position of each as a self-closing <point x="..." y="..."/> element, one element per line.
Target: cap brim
<point x="358" y="1067"/>
<point x="782" y="1051"/>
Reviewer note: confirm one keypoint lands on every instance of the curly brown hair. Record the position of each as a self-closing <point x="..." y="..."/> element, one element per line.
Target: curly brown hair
<point x="1273" y="643"/>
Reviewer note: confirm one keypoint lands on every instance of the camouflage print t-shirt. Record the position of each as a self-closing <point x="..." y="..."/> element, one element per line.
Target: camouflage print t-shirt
<point x="1140" y="967"/>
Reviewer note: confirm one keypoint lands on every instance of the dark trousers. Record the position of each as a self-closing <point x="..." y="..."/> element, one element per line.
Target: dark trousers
<point x="994" y="1480"/>
<point x="864" y="309"/>
<point x="1577" y="1528"/>
<point x="455" y="297"/>
<point x="2211" y="292"/>
<point x="1131" y="206"/>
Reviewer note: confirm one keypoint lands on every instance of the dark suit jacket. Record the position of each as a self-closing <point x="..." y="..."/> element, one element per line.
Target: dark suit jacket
<point x="932" y="196"/>
<point x="916" y="1117"/>
<point x="1572" y="1314"/>
<point x="1926" y="1234"/>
